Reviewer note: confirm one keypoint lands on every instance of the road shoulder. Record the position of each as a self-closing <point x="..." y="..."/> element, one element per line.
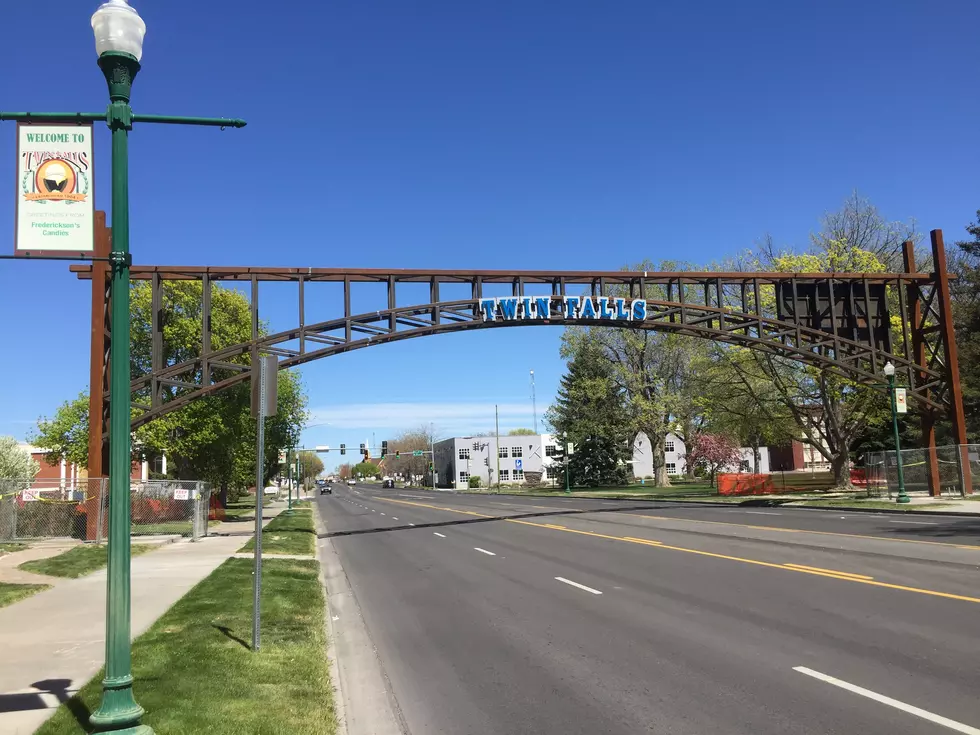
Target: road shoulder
<point x="365" y="704"/>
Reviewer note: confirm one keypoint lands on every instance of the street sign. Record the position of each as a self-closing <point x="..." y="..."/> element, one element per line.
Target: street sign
<point x="323" y="448"/>
<point x="282" y="456"/>
<point x="518" y="464"/>
<point x="417" y="453"/>
<point x="901" y="401"/>
<point x="265" y="386"/>
<point x="571" y="448"/>
<point x="55" y="212"/>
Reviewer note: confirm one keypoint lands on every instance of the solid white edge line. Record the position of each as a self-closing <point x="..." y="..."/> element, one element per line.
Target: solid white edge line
<point x="483" y="551"/>
<point x="924" y="714"/>
<point x="438" y="534"/>
<point x="580" y="586"/>
<point x="394" y="518"/>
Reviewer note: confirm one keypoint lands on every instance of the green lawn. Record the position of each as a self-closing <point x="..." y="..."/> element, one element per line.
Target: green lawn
<point x="195" y="673"/>
<point x="242" y="509"/>
<point x="79" y="561"/>
<point x="11" y="593"/>
<point x="287" y="534"/>
<point x="13" y="546"/>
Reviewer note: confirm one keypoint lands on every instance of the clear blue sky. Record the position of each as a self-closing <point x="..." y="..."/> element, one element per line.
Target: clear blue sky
<point x="485" y="135"/>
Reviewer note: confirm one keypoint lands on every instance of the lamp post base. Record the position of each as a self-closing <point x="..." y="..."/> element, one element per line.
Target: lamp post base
<point x="903" y="499"/>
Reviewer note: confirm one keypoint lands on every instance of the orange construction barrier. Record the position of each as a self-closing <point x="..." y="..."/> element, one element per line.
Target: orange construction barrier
<point x="745" y="484"/>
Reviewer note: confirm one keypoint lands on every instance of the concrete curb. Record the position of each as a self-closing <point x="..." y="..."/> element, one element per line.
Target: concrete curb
<point x="364" y="702"/>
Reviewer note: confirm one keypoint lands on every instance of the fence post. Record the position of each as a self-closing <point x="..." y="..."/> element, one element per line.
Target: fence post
<point x="205" y="505"/>
<point x="99" y="522"/>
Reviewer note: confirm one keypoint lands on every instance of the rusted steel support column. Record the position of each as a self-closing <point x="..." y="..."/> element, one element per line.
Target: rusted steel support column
<point x="392" y="303"/>
<point x="98" y="450"/>
<point x="955" y="390"/>
<point x="205" y="329"/>
<point x="156" y="338"/>
<point x="914" y="327"/>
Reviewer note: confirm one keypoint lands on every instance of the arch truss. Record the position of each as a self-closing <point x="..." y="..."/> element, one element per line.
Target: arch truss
<point x="848" y="323"/>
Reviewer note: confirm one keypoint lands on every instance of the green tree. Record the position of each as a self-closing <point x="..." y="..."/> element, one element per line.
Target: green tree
<point x="590" y="411"/>
<point x="521" y="432"/>
<point x="310" y="467"/>
<point x="212" y="438"/>
<point x="16" y="463"/>
<point x="366" y="469"/>
<point x="66" y="434"/>
<point x="966" y="317"/>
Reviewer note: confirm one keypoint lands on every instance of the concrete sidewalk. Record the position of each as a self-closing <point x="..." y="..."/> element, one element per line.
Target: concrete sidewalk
<point x="54" y="642"/>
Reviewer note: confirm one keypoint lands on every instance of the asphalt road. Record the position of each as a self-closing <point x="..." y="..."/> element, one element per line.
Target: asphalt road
<point x="496" y="614"/>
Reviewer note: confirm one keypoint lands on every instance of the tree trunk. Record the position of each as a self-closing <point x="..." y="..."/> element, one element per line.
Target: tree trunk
<point x="840" y="466"/>
<point x="657" y="442"/>
<point x="756" y="456"/>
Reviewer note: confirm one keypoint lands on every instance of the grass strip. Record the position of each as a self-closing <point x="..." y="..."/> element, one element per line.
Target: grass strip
<point x="13" y="546"/>
<point x="194" y="671"/>
<point x="11" y="593"/>
<point x="287" y="534"/>
<point x="79" y="561"/>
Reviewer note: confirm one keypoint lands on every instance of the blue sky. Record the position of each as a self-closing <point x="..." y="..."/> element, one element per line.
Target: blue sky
<point x="509" y="135"/>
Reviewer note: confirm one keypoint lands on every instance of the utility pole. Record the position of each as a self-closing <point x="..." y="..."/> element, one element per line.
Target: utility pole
<point x="496" y="423"/>
<point x="534" y="404"/>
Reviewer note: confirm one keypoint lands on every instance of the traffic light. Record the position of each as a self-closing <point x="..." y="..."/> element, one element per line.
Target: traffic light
<point x="343" y="449"/>
<point x="384" y="449"/>
<point x="398" y="454"/>
<point x="363" y="450"/>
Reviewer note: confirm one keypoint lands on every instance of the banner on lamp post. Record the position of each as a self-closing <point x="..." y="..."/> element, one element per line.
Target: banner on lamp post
<point x="55" y="212"/>
<point x="901" y="401"/>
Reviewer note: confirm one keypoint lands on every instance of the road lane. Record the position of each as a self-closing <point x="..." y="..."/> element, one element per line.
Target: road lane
<point x="678" y="642"/>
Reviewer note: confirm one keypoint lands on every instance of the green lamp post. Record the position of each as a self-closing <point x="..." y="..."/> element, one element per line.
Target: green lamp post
<point x="119" y="32"/>
<point x="903" y="496"/>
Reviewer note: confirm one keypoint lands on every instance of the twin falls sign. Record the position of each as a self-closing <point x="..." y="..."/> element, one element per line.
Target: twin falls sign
<point x="530" y="308"/>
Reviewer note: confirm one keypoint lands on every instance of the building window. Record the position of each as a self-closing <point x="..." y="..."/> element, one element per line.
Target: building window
<point x="464" y="477"/>
<point x="550" y="450"/>
<point x="518" y="474"/>
<point x="669" y="445"/>
<point x="745" y="467"/>
<point x="552" y="473"/>
<point x="464" y="453"/>
<point x="502" y="452"/>
<point x="671" y="468"/>
<point x="517" y="452"/>
<point x="505" y="475"/>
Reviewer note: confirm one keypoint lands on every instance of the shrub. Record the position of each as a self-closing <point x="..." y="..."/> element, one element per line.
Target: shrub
<point x="474" y="481"/>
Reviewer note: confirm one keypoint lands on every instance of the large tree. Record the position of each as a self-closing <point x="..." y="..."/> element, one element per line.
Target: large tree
<point x="310" y="467"/>
<point x="966" y="316"/>
<point x="15" y="463"/>
<point x="590" y="411"/>
<point x="211" y="438"/>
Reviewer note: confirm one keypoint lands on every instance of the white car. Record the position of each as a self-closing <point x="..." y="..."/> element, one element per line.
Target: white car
<point x="351" y="481"/>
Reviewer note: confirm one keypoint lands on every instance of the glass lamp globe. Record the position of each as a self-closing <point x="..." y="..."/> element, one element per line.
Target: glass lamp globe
<point x="889" y="369"/>
<point x="118" y="27"/>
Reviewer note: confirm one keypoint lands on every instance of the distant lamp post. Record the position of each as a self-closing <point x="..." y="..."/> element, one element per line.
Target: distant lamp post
<point x="903" y="496"/>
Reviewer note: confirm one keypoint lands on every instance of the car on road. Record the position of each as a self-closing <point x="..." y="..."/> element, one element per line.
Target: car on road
<point x="326" y="489"/>
<point x="351" y="481"/>
<point x="388" y="482"/>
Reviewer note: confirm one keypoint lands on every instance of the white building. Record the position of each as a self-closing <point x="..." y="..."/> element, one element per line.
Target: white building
<point x="675" y="461"/>
<point x="462" y="457"/>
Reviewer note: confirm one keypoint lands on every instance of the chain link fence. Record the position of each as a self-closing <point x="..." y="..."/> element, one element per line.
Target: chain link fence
<point x="80" y="509"/>
<point x="958" y="465"/>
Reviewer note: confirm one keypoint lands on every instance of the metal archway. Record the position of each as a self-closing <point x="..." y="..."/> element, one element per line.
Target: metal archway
<point x="840" y="322"/>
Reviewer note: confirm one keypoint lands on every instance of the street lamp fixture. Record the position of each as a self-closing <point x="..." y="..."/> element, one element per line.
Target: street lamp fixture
<point x="889" y="371"/>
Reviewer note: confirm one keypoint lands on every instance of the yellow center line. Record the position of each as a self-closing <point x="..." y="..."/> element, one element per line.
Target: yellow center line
<point x="831" y="571"/>
<point x="815" y="571"/>
<point x="802" y="530"/>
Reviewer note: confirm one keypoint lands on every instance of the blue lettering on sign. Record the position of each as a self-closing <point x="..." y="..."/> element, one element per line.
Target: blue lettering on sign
<point x="571" y="306"/>
<point x="508" y="308"/>
<point x="518" y="464"/>
<point x="604" y="312"/>
<point x="542" y="307"/>
<point x="525" y="307"/>
<point x="588" y="309"/>
<point x="621" y="311"/>
<point x="489" y="308"/>
<point x="639" y="308"/>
